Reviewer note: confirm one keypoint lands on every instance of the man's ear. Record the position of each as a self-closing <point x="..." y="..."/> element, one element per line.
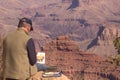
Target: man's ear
<point x="28" y="28"/>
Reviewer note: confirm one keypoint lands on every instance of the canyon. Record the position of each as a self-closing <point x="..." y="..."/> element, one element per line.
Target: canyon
<point x="76" y="64"/>
<point x="77" y="35"/>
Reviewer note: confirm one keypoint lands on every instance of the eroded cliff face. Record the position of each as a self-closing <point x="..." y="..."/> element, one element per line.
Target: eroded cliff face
<point x="62" y="43"/>
<point x="77" y="64"/>
<point x="108" y="35"/>
<point x="103" y="43"/>
<point x="52" y="18"/>
<point x="38" y="76"/>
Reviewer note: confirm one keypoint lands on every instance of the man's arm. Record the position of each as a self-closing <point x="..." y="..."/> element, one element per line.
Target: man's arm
<point x="31" y="52"/>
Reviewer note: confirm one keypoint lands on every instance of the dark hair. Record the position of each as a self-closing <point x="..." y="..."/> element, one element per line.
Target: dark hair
<point x="24" y="20"/>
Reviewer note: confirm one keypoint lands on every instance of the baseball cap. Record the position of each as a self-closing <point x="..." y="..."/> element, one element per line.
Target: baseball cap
<point x="27" y="20"/>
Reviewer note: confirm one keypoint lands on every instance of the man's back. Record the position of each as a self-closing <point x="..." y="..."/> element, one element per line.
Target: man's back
<point x="15" y="55"/>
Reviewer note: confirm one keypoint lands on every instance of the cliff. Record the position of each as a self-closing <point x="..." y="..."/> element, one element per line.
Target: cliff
<point x="77" y="64"/>
<point x="62" y="43"/>
<point x="104" y="40"/>
<point x="52" y="18"/>
<point x="84" y="23"/>
<point x="38" y="76"/>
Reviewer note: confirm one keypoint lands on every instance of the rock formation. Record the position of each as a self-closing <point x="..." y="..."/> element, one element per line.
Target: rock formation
<point x="77" y="64"/>
<point x="51" y="19"/>
<point x="38" y="76"/>
<point x="79" y="23"/>
<point x="104" y="40"/>
<point x="62" y="43"/>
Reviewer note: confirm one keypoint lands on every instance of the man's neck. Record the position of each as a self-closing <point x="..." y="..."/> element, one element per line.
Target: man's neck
<point x="25" y="29"/>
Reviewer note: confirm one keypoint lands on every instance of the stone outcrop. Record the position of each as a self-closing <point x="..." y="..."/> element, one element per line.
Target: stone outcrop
<point x="108" y="35"/>
<point x="38" y="76"/>
<point x="62" y="43"/>
<point x="104" y="39"/>
<point x="78" y="65"/>
<point x="59" y="20"/>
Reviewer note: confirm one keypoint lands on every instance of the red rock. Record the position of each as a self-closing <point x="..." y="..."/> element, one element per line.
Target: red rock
<point x="75" y="63"/>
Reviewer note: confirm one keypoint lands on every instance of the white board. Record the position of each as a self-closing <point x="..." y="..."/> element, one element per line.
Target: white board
<point x="41" y="57"/>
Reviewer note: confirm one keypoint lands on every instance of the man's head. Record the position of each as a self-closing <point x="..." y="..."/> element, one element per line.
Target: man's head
<point x="25" y="23"/>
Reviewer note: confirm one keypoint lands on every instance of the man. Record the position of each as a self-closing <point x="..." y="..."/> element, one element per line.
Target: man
<point x="19" y="56"/>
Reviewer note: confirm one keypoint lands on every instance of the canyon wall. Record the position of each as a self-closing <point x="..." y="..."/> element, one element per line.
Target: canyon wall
<point x="77" y="64"/>
<point x="103" y="43"/>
